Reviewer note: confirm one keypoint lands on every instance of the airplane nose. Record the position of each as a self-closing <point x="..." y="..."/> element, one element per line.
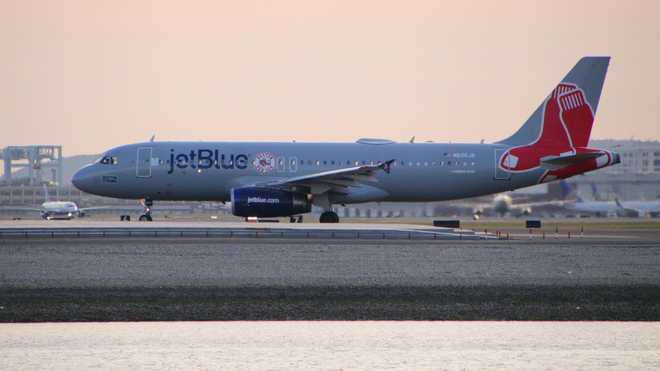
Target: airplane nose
<point x="83" y="179"/>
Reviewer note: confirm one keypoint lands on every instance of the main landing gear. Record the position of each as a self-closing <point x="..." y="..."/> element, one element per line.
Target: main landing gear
<point x="296" y="219"/>
<point x="146" y="217"/>
<point x="329" y="217"/>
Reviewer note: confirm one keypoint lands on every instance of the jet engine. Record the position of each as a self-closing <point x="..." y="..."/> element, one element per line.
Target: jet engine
<point x="268" y="202"/>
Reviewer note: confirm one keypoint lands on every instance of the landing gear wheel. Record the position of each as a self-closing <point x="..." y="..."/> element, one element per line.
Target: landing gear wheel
<point x="146" y="217"/>
<point x="329" y="217"/>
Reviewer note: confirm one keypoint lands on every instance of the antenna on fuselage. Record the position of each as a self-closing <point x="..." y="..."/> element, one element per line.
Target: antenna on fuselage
<point x="152" y="138"/>
<point x="412" y="140"/>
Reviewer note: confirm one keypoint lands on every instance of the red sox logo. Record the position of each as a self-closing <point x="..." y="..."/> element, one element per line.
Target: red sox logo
<point x="264" y="162"/>
<point x="565" y="129"/>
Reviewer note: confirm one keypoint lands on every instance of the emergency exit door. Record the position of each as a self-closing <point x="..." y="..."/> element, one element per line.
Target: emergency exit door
<point x="143" y="163"/>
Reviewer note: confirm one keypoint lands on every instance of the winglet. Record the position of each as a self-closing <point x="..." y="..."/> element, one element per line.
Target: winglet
<point x="387" y="165"/>
<point x="618" y="203"/>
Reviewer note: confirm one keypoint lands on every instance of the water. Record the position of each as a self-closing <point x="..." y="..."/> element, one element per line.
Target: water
<point x="331" y="345"/>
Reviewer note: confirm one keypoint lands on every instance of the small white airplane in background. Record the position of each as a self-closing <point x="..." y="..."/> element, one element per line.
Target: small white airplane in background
<point x="503" y="204"/>
<point x="52" y="210"/>
<point x="59" y="210"/>
<point x="636" y="209"/>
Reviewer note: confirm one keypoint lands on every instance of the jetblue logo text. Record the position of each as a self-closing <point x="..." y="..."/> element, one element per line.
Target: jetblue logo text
<point x="262" y="200"/>
<point x="207" y="159"/>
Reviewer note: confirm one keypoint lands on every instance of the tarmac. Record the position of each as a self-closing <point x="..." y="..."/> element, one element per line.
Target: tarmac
<point x="98" y="229"/>
<point x="92" y="278"/>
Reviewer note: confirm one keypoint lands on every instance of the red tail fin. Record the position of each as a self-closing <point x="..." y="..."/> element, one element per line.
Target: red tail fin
<point x="585" y="82"/>
<point x="556" y="136"/>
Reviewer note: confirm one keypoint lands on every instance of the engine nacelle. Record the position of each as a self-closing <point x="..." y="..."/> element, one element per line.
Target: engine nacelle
<point x="268" y="202"/>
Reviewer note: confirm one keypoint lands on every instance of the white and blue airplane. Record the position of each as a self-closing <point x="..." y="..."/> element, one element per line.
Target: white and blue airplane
<point x="636" y="209"/>
<point x="284" y="179"/>
<point x="52" y="210"/>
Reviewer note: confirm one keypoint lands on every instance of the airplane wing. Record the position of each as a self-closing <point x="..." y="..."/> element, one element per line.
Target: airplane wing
<point x="117" y="208"/>
<point x="20" y="209"/>
<point x="337" y="180"/>
<point x="120" y="209"/>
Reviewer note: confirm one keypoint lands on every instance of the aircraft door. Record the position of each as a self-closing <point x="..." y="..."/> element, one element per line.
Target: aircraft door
<point x="500" y="174"/>
<point x="143" y="164"/>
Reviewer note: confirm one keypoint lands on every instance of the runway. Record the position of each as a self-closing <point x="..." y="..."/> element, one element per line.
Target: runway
<point x="357" y="231"/>
<point x="216" y="278"/>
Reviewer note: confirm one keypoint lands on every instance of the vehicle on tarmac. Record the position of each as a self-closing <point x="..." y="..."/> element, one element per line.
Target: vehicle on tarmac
<point x="50" y="210"/>
<point x="285" y="179"/>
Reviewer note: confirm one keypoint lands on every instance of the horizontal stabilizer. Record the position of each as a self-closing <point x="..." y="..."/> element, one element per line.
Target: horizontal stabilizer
<point x="558" y="162"/>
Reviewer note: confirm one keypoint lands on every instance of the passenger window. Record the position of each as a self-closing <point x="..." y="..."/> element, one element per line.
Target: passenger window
<point x="281" y="164"/>
<point x="293" y="164"/>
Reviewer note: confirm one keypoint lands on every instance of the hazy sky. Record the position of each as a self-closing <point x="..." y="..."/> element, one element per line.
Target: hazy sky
<point x="94" y="74"/>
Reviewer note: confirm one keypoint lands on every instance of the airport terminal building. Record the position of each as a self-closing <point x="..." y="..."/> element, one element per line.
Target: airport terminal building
<point x="637" y="177"/>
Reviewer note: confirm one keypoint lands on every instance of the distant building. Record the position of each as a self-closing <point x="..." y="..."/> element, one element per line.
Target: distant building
<point x="637" y="157"/>
<point x="38" y="163"/>
<point x="637" y="177"/>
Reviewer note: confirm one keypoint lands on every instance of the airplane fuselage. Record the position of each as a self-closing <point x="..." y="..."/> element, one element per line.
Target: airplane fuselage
<point x="64" y="210"/>
<point x="209" y="170"/>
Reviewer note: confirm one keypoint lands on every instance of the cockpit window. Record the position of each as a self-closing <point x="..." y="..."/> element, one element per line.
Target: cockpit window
<point x="108" y="160"/>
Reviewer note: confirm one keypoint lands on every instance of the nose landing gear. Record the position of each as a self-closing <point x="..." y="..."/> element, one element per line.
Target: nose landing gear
<point x="146" y="217"/>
